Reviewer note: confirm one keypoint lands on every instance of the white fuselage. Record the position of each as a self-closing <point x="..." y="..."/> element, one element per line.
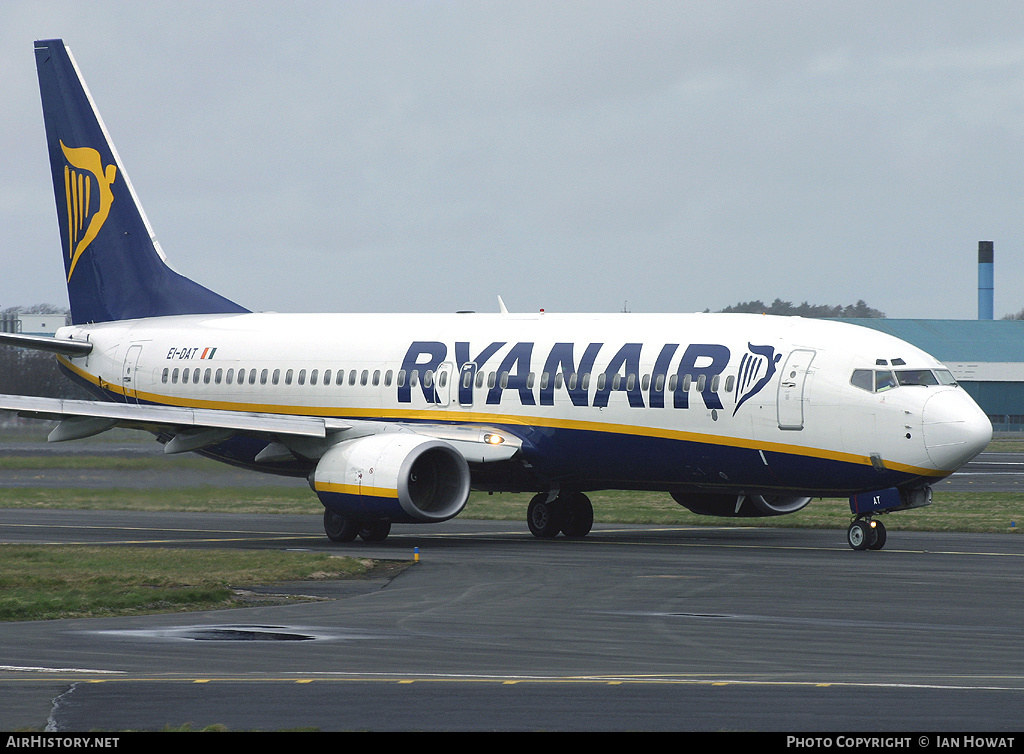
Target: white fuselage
<point x="579" y="389"/>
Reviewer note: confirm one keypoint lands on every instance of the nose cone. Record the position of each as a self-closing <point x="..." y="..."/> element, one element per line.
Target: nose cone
<point x="955" y="429"/>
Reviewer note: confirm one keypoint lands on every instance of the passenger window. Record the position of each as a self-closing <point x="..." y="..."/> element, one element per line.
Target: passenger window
<point x="302" y="377"/>
<point x="263" y="376"/>
<point x="219" y="376"/>
<point x="174" y="376"/>
<point x="166" y="375"/>
<point x="312" y="376"/>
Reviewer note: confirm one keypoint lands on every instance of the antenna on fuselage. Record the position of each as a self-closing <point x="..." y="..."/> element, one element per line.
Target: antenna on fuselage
<point x="501" y="306"/>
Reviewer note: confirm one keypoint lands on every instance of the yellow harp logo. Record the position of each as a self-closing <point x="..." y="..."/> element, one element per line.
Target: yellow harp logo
<point x="85" y="216"/>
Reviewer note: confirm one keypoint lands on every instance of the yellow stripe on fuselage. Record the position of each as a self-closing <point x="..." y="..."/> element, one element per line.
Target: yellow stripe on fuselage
<point x="442" y="416"/>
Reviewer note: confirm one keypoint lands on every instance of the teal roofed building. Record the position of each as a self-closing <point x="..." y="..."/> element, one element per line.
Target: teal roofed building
<point x="986" y="357"/>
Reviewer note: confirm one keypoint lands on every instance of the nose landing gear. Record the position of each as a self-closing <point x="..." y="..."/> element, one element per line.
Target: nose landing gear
<point x="866" y="534"/>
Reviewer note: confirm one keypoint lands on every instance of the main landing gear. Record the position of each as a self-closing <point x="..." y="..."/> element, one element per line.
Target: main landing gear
<point x="342" y="529"/>
<point x="570" y="514"/>
<point x="866" y="534"/>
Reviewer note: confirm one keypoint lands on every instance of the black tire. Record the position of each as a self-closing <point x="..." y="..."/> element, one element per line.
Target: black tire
<point x="579" y="516"/>
<point x="338" y="528"/>
<point x="879" y="540"/>
<point x="858" y="536"/>
<point x="544" y="518"/>
<point x="375" y="530"/>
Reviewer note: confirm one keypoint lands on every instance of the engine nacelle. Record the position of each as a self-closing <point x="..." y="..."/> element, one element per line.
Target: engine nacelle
<point x="395" y="476"/>
<point x="740" y="506"/>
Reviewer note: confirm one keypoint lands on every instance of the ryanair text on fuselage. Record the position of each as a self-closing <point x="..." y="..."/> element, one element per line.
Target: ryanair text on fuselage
<point x="700" y="365"/>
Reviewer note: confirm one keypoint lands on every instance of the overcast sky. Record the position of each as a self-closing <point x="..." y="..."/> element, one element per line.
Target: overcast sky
<point x="576" y="156"/>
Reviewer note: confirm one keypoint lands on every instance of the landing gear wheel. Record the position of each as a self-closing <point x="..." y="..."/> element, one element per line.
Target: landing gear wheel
<point x="579" y="516"/>
<point x="879" y="541"/>
<point x="338" y="528"/>
<point x="544" y="518"/>
<point x="859" y="535"/>
<point x="375" y="530"/>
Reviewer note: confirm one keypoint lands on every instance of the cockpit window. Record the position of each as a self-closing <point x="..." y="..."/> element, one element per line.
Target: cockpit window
<point x="916" y="377"/>
<point x="864" y="379"/>
<point x="877" y="380"/>
<point x="884" y="380"/>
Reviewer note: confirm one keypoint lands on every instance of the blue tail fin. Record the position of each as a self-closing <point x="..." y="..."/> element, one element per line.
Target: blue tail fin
<point x="115" y="268"/>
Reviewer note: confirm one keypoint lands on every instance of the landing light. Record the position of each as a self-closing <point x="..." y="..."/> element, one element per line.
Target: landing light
<point x="492" y="439"/>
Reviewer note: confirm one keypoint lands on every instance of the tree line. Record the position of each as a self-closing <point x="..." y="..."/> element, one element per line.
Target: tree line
<point x="860" y="310"/>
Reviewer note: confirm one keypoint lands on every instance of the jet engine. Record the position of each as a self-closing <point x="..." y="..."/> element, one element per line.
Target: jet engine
<point x="393" y="476"/>
<point x="740" y="505"/>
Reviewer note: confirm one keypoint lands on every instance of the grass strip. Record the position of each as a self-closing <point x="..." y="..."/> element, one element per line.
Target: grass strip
<point x="40" y="583"/>
<point x="950" y="511"/>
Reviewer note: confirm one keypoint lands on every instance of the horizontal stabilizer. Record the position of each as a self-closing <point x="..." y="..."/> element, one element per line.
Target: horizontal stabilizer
<point x="46" y="343"/>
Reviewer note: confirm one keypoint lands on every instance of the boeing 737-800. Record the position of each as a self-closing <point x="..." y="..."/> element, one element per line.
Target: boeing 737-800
<point x="394" y="418"/>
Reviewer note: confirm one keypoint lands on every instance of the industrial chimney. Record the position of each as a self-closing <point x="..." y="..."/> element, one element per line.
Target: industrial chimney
<point x="985" y="280"/>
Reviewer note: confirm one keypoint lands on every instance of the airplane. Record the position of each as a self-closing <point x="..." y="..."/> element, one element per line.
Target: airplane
<point x="395" y="418"/>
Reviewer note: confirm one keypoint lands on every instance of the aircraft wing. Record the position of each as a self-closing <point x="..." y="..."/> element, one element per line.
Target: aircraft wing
<point x="197" y="428"/>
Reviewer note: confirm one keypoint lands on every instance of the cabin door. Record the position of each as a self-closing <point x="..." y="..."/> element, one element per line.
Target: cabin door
<point x="129" y="374"/>
<point x="792" y="380"/>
